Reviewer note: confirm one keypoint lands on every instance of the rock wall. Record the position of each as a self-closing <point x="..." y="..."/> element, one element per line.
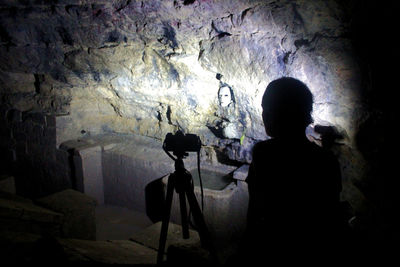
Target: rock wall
<point x="28" y="151"/>
<point x="152" y="67"/>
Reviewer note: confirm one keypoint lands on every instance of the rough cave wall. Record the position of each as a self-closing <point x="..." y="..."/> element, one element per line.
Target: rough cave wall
<point x="152" y="67"/>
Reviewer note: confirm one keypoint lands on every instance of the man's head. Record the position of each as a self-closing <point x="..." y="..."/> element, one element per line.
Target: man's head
<point x="287" y="106"/>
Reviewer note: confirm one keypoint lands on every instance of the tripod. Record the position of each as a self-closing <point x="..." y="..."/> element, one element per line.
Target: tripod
<point x="180" y="180"/>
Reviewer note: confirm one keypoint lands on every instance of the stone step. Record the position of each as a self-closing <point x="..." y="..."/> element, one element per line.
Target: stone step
<point x="68" y="213"/>
<point x="178" y="251"/>
<point x="23" y="248"/>
<point x="108" y="252"/>
<point x="150" y="236"/>
<point x="7" y="184"/>
<point x="79" y="213"/>
<point x="141" y="249"/>
<point x="22" y="215"/>
<point x="118" y="223"/>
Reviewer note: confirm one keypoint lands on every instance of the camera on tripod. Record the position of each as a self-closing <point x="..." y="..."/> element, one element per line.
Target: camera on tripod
<point x="181" y="182"/>
<point x="181" y="143"/>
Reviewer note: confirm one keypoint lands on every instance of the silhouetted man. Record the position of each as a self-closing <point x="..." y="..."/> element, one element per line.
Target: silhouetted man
<point x="294" y="184"/>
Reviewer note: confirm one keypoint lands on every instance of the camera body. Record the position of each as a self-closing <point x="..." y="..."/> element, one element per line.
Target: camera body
<point x="181" y="143"/>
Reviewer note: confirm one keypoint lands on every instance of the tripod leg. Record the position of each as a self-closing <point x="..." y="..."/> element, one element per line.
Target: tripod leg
<point x="184" y="218"/>
<point x="199" y="219"/>
<point x="205" y="237"/>
<point x="165" y="222"/>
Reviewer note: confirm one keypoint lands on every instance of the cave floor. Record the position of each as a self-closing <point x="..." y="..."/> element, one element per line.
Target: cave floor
<point x="124" y="237"/>
<point x="117" y="223"/>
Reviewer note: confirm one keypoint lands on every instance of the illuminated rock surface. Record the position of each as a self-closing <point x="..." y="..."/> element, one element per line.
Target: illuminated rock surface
<point x="152" y="67"/>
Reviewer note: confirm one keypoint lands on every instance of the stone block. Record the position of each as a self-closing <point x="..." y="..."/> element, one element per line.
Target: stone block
<point x="49" y="136"/>
<point x="14" y="197"/>
<point x="7" y="184"/>
<point x="21" y="249"/>
<point x="179" y="251"/>
<point x="62" y="156"/>
<point x="190" y="255"/>
<point x="108" y="146"/>
<point x="34" y="149"/>
<point x="4" y="130"/>
<point x="72" y="145"/>
<point x="62" y="172"/>
<point x="22" y="215"/>
<point x="78" y="210"/>
<point x="35" y="134"/>
<point x="35" y="117"/>
<point x="11" y="155"/>
<point x="17" y="81"/>
<point x="89" y="172"/>
<point x="241" y="173"/>
<point x="19" y="137"/>
<point x="50" y="121"/>
<point x="18" y="127"/>
<point x="56" y="176"/>
<point x="21" y="150"/>
<point x="129" y="167"/>
<point x="118" y="252"/>
<point x="151" y="235"/>
<point x="6" y="140"/>
<point x="14" y="116"/>
<point x="3" y="113"/>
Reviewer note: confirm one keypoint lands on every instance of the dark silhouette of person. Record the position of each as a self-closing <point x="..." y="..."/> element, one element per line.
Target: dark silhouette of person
<point x="294" y="185"/>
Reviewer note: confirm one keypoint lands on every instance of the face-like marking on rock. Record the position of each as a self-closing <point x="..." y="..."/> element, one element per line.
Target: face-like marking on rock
<point x="224" y="96"/>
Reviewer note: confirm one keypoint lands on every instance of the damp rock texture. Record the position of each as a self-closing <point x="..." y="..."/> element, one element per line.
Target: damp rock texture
<point x="153" y="67"/>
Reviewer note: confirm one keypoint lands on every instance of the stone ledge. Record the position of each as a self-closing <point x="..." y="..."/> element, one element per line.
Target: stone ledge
<point x="79" y="213"/>
<point x="28" y="212"/>
<point x="26" y="248"/>
<point x="22" y="215"/>
<point x="150" y="236"/>
<point x="111" y="252"/>
<point x="241" y="173"/>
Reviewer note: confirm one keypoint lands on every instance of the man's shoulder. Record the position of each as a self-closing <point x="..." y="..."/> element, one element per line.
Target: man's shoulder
<point x="267" y="143"/>
<point x="264" y="146"/>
